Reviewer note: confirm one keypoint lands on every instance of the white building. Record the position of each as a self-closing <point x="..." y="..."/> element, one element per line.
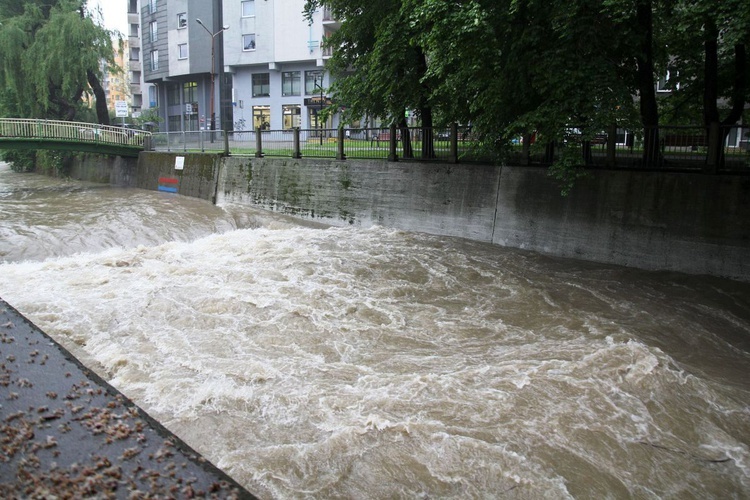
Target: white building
<point x="268" y="66"/>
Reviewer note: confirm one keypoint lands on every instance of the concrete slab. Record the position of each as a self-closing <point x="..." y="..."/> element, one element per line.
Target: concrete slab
<point x="66" y="433"/>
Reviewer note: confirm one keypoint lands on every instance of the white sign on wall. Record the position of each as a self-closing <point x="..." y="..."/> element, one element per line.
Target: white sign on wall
<point x="179" y="162"/>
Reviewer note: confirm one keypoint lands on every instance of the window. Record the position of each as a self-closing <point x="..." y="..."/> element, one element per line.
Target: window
<point x="248" y="41"/>
<point x="134" y="29"/>
<point x="262" y="117"/>
<point x="248" y="8"/>
<point x="190" y="92"/>
<point x="182" y="51"/>
<point x="153" y="29"/>
<point x="173" y="95"/>
<point x="135" y="54"/>
<point x="261" y="85"/>
<point x="182" y="20"/>
<point x="153" y="97"/>
<point x="175" y="123"/>
<point x="290" y="83"/>
<point x="312" y="78"/>
<point x="133" y="7"/>
<point x="292" y="116"/>
<point x="154" y="60"/>
<point x="151" y="6"/>
<point x="665" y="83"/>
<point x="312" y="117"/>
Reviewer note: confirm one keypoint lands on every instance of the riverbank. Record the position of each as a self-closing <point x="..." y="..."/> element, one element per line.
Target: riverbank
<point x="68" y="433"/>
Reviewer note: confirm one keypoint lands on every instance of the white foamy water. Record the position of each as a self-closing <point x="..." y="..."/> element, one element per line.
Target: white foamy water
<point x="313" y="362"/>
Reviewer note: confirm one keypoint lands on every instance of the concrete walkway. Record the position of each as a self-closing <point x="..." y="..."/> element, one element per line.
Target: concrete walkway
<point x="66" y="433"/>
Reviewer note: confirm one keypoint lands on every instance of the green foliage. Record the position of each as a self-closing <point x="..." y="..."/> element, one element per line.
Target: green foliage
<point x="148" y="116"/>
<point x="54" y="163"/>
<point x="568" y="168"/>
<point x="20" y="161"/>
<point x="509" y="67"/>
<point x="377" y="62"/>
<point x="48" y="49"/>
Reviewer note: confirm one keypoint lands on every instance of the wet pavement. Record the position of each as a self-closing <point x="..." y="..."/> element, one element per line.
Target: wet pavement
<point x="66" y="433"/>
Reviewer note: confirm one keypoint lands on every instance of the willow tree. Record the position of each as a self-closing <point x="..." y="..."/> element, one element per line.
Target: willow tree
<point x="51" y="55"/>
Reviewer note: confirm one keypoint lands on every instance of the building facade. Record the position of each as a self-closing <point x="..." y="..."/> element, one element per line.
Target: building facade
<point x="268" y="64"/>
<point x="142" y="95"/>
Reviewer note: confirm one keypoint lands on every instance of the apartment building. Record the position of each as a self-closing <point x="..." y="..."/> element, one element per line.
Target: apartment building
<point x="142" y="95"/>
<point x="268" y="65"/>
<point x="116" y="84"/>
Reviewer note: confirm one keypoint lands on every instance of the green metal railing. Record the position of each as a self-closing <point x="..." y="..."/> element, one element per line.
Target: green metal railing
<point x="69" y="134"/>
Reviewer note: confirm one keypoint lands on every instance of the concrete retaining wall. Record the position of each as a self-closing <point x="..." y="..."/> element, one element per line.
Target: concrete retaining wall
<point x="671" y="221"/>
<point x="197" y="178"/>
<point x="685" y="222"/>
<point x="114" y="170"/>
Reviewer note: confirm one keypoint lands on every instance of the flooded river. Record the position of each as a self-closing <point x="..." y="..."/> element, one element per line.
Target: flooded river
<point x="316" y="362"/>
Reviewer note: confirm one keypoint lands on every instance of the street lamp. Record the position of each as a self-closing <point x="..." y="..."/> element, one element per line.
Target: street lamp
<point x="213" y="67"/>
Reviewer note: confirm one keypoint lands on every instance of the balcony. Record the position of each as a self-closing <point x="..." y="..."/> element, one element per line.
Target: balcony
<point x="329" y="20"/>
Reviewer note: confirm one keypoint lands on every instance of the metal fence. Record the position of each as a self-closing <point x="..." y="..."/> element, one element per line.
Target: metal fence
<point x="28" y="128"/>
<point x="685" y="148"/>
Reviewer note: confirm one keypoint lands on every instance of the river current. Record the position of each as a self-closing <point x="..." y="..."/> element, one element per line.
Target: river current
<point x="319" y="362"/>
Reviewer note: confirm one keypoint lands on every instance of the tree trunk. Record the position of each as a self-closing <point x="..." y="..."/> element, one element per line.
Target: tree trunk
<point x="740" y="85"/>
<point x="718" y="135"/>
<point x="403" y="127"/>
<point x="425" y="111"/>
<point x="646" y="84"/>
<point x="64" y="109"/>
<point x="102" y="113"/>
<point x="428" y="144"/>
<point x="710" y="74"/>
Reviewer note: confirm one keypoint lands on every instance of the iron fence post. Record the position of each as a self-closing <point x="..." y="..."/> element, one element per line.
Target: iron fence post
<point x="392" y="143"/>
<point x="340" y="143"/>
<point x="297" y="152"/>
<point x="258" y="144"/>
<point x="453" y="153"/>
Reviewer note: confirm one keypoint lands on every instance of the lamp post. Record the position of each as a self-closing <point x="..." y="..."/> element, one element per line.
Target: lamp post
<point x="213" y="67"/>
<point x="320" y="106"/>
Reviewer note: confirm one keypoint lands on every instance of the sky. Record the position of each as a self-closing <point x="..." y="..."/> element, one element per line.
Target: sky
<point x="115" y="13"/>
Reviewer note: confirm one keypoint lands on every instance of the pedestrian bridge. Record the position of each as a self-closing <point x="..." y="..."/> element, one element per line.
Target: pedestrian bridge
<point x="23" y="133"/>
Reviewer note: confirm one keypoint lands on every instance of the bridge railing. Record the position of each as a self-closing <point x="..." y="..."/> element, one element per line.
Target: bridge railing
<point x="71" y="131"/>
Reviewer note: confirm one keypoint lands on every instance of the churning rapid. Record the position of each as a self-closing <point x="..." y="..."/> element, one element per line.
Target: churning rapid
<point x="317" y="362"/>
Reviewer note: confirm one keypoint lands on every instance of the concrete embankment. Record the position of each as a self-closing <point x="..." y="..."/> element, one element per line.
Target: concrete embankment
<point x="687" y="222"/>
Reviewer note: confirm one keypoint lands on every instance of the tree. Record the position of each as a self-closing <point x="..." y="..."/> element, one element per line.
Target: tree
<point x="50" y="57"/>
<point x="710" y="61"/>
<point x="512" y="67"/>
<point x="379" y="66"/>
